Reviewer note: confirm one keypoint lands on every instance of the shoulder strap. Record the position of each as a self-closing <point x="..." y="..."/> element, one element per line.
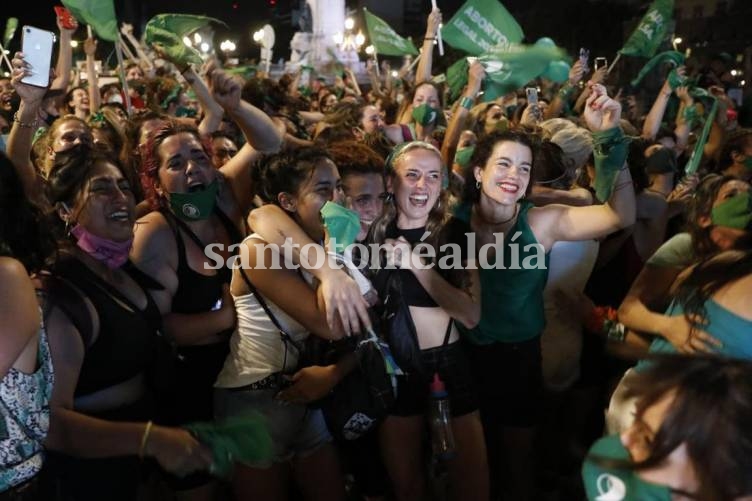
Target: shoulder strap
<point x="170" y="218"/>
<point x="261" y="301"/>
<point x="447" y="333"/>
<point x="71" y="302"/>
<point x="407" y="134"/>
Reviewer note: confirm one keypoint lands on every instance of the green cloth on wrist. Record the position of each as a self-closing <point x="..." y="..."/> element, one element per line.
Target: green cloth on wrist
<point x="610" y="148"/>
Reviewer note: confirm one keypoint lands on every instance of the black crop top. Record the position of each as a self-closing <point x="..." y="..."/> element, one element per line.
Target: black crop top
<point x="415" y="295"/>
<point x="127" y="338"/>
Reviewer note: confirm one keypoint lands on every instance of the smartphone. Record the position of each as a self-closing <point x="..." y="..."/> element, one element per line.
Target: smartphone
<point x="217" y="305"/>
<point x="532" y="95"/>
<point x="584" y="57"/>
<point x="66" y="18"/>
<point x="600" y="62"/>
<point x="37" y="48"/>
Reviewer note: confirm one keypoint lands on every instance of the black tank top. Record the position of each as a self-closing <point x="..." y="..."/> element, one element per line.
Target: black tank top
<point x="127" y="337"/>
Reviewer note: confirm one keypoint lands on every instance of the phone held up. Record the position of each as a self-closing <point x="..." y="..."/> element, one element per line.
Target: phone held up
<point x="66" y="18"/>
<point x="600" y="62"/>
<point x="37" y="45"/>
<point x="584" y="57"/>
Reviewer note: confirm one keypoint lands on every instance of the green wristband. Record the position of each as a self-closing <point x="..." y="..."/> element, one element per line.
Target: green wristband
<point x="467" y="102"/>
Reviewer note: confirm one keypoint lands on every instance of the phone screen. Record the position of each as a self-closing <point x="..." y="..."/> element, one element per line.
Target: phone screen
<point x="600" y="62"/>
<point x="37" y="48"/>
<point x="532" y="95"/>
<point x="584" y="57"/>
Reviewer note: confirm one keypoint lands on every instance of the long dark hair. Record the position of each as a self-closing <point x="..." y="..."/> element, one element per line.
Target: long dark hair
<point x="699" y="207"/>
<point x="23" y="231"/>
<point x="285" y="172"/>
<point x="711" y="413"/>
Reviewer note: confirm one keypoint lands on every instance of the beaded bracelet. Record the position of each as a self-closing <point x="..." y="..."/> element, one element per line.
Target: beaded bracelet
<point x="25" y="125"/>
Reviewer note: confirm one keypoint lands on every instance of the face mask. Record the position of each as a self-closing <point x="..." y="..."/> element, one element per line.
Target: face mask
<point x="184" y="111"/>
<point x="736" y="212"/>
<point x="612" y="484"/>
<point x="195" y="206"/>
<point x="113" y="254"/>
<point x="342" y="224"/>
<point x="463" y="155"/>
<point x="425" y="114"/>
<point x="115" y="98"/>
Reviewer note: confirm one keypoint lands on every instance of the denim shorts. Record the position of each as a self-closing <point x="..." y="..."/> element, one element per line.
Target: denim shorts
<point x="296" y="430"/>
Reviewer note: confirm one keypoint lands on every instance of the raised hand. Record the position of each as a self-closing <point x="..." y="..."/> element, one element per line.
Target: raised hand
<point x="475" y="76"/>
<point x="434" y="20"/>
<point x="224" y="87"/>
<point x="576" y="72"/>
<point x="29" y="94"/>
<point x="601" y="112"/>
<point x="126" y="29"/>
<point x="90" y="46"/>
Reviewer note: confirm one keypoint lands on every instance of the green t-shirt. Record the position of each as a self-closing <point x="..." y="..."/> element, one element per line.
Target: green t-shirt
<point x="512" y="294"/>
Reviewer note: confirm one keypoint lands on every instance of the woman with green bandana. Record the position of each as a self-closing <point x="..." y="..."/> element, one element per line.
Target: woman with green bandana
<point x="278" y="308"/>
<point x="505" y="345"/>
<point x="426" y="115"/>
<point x="185" y="243"/>
<point x="691" y="438"/>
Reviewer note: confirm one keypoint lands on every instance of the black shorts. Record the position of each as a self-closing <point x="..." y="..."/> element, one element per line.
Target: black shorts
<point x="452" y="364"/>
<point x="509" y="381"/>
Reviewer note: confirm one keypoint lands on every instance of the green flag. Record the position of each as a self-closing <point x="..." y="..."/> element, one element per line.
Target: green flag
<point x="385" y="40"/>
<point x="651" y="31"/>
<point x="697" y="153"/>
<point x="99" y="14"/>
<point x="670" y="56"/>
<point x="481" y="25"/>
<point x="168" y="30"/>
<point x="10" y="29"/>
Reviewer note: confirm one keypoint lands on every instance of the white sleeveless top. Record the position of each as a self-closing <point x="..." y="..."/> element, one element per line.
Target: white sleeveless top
<point x="256" y="347"/>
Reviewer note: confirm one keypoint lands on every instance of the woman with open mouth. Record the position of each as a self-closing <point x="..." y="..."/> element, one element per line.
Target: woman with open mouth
<point x="505" y="345"/>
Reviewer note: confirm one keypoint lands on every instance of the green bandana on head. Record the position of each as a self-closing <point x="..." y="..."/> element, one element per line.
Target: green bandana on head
<point x="735" y="212"/>
<point x="195" y="206"/>
<point x="617" y="484"/>
<point x="425" y="114"/>
<point x="342" y="224"/>
<point x="463" y="155"/>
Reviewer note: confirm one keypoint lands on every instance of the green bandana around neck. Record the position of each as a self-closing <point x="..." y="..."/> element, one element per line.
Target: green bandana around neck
<point x="342" y="224"/>
<point x="735" y="212"/>
<point x="463" y="155"/>
<point x="604" y="483"/>
<point x="195" y="206"/>
<point x="425" y="114"/>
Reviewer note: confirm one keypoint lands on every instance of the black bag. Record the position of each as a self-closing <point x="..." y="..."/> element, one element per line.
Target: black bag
<point x="397" y="326"/>
<point x="364" y="397"/>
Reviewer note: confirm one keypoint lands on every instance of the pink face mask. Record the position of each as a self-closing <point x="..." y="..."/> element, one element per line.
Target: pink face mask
<point x="113" y="254"/>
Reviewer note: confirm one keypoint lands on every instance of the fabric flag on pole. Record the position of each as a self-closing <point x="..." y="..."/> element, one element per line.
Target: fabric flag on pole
<point x="10" y="29"/>
<point x="385" y="40"/>
<point x="697" y="153"/>
<point x="99" y="14"/>
<point x="480" y="25"/>
<point x="651" y="31"/>
<point x="670" y="56"/>
<point x="167" y="31"/>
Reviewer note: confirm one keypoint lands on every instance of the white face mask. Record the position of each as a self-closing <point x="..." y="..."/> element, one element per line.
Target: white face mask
<point x="115" y="98"/>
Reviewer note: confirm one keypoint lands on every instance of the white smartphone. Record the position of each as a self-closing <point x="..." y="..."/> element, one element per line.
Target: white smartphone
<point x="37" y="48"/>
<point x="600" y="62"/>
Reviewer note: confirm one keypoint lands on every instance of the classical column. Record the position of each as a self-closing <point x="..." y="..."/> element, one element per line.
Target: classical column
<point x="328" y="20"/>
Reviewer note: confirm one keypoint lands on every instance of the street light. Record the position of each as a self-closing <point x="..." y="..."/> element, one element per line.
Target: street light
<point x="204" y="47"/>
<point x="187" y="41"/>
<point x="676" y="41"/>
<point x="197" y="38"/>
<point x="227" y="46"/>
<point x="74" y="43"/>
<point x="349" y="23"/>
<point x="369" y="50"/>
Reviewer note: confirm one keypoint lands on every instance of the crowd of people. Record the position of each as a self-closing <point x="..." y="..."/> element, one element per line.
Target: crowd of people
<point x="576" y="270"/>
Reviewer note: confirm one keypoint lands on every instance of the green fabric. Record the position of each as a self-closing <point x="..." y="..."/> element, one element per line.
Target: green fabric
<point x="456" y="77"/>
<point x="557" y="71"/>
<point x="670" y="56"/>
<point x="244" y="439"/>
<point x="425" y="114"/>
<point x="677" y="253"/>
<point x="610" y="150"/>
<point x="613" y="483"/>
<point x="99" y="14"/>
<point x="651" y="31"/>
<point x="697" y="153"/>
<point x="480" y="25"/>
<point x="385" y="40"/>
<point x="747" y="163"/>
<point x="511" y="298"/>
<point x="167" y="31"/>
<point x="10" y="29"/>
<point x="243" y="71"/>
<point x="342" y="224"/>
<point x="734" y="212"/>
<point x="463" y="155"/>
<point x="195" y="206"/>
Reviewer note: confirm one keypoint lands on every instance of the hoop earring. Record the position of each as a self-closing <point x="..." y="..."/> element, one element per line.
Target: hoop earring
<point x="477" y="185"/>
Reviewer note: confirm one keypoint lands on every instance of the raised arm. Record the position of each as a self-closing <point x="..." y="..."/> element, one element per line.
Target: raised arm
<point x="64" y="55"/>
<point x="457" y="123"/>
<point x="95" y="100"/>
<point x="22" y="132"/>
<point x="684" y="118"/>
<point x="212" y="110"/>
<point x="423" y="73"/>
<point x="557" y="222"/>
<point x="655" y="115"/>
<point x="564" y="94"/>
<point x="127" y="31"/>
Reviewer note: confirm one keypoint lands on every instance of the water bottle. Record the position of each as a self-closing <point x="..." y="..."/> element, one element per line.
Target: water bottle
<point x="439" y="418"/>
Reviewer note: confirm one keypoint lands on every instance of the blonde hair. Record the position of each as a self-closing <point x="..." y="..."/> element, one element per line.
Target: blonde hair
<point x="576" y="143"/>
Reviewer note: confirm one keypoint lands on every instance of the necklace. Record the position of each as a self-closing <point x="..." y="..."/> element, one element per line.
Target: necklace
<point x="499" y="223"/>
